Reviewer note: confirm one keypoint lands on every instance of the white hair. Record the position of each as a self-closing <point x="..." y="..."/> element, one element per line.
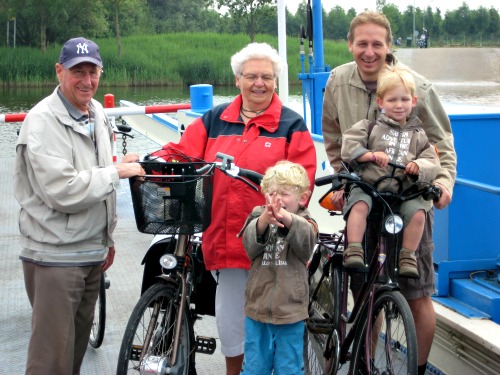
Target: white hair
<point x="256" y="51"/>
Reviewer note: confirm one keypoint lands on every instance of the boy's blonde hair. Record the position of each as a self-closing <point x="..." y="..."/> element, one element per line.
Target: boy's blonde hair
<point x="392" y="77"/>
<point x="285" y="173"/>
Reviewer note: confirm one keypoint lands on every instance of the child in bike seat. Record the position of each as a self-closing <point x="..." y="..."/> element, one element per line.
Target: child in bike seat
<point x="368" y="147"/>
<point x="279" y="238"/>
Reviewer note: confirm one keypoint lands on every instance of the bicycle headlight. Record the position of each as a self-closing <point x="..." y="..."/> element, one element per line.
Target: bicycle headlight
<point x="393" y="224"/>
<point x="168" y="261"/>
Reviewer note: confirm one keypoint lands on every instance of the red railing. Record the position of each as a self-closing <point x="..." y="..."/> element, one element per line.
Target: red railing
<point x="110" y="110"/>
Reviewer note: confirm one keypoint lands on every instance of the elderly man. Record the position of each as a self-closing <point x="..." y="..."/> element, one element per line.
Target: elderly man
<point x="65" y="182"/>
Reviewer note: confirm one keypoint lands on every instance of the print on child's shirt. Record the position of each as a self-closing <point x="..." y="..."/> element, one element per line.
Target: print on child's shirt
<point x="274" y="249"/>
<point x="398" y="143"/>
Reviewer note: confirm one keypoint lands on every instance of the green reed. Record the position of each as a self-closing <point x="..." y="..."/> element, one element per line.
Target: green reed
<point x="158" y="60"/>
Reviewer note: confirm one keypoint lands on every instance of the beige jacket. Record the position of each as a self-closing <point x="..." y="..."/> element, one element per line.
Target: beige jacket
<point x="65" y="186"/>
<point x="347" y="101"/>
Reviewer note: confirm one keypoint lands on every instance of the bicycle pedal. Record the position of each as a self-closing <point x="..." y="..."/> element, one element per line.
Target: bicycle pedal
<point x="135" y="353"/>
<point x="205" y="345"/>
<point x="319" y="326"/>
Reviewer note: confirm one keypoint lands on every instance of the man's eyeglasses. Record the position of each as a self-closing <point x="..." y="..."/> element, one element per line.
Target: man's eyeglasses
<point x="81" y="73"/>
<point x="254" y="77"/>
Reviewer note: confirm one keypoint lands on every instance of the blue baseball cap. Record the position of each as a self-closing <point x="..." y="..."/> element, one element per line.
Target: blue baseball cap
<point x="79" y="50"/>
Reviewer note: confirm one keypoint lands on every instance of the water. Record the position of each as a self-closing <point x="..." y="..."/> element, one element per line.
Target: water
<point x="17" y="100"/>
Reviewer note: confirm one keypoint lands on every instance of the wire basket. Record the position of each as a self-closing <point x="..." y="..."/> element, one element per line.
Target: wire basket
<point x="173" y="198"/>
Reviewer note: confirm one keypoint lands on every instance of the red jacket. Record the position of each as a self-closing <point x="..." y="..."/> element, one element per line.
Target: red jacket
<point x="278" y="134"/>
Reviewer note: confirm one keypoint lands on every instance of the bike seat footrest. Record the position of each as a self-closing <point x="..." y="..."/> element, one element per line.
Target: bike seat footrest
<point x="205" y="345"/>
<point x="318" y="325"/>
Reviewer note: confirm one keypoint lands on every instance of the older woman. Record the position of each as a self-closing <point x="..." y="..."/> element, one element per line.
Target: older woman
<point x="258" y="131"/>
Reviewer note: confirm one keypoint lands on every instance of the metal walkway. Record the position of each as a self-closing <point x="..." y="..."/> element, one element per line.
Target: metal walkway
<point x="125" y="276"/>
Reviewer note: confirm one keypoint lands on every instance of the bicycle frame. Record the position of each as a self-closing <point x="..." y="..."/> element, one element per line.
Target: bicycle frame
<point x="173" y="199"/>
<point x="367" y="294"/>
<point x="378" y="294"/>
<point x="182" y="249"/>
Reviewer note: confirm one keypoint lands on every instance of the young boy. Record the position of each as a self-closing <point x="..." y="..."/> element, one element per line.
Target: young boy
<point x="279" y="239"/>
<point x="368" y="148"/>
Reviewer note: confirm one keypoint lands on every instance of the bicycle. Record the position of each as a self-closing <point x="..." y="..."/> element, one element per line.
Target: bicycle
<point x="99" y="324"/>
<point x="377" y="336"/>
<point x="173" y="202"/>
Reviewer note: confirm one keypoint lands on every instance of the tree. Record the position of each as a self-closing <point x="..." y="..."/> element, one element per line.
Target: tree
<point x="395" y="18"/>
<point x="176" y="15"/>
<point x="336" y="25"/>
<point x="125" y="15"/>
<point x="245" y="11"/>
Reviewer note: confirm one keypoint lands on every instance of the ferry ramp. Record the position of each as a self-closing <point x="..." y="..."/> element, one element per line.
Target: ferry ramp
<point x="453" y="65"/>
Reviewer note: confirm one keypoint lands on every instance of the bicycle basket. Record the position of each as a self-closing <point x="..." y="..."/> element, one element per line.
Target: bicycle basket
<point x="173" y="198"/>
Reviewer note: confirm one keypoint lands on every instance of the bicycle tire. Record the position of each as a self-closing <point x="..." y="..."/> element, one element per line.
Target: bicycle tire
<point x="397" y="355"/>
<point x="159" y="349"/>
<point x="321" y="350"/>
<point x="99" y="324"/>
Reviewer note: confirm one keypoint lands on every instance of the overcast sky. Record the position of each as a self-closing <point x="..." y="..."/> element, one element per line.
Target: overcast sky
<point x="361" y="5"/>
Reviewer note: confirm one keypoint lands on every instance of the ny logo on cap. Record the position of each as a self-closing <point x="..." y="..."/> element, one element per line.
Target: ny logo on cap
<point x="82" y="48"/>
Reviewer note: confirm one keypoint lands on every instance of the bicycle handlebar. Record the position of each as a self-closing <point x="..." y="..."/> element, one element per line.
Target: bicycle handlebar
<point x="226" y="165"/>
<point x="229" y="168"/>
<point x="429" y="192"/>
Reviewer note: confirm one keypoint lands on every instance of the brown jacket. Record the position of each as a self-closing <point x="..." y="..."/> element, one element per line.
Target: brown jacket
<point x="277" y="288"/>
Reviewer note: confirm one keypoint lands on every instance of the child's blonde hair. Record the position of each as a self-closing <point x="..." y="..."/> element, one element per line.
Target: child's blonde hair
<point x="285" y="173"/>
<point x="392" y="77"/>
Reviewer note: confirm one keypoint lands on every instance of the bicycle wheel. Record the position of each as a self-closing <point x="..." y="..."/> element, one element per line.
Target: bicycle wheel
<point x="99" y="324"/>
<point x="394" y="348"/>
<point x="321" y="340"/>
<point x="148" y="339"/>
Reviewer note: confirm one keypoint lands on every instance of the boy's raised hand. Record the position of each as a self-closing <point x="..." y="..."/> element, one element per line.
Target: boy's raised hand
<point x="274" y="206"/>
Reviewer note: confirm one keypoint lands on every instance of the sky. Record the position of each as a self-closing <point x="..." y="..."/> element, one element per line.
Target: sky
<point x="361" y="5"/>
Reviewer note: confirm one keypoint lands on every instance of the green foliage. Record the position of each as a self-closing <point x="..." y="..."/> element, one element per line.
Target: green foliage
<point x="45" y="23"/>
<point x="179" y="42"/>
<point x="158" y="60"/>
<point x="246" y="12"/>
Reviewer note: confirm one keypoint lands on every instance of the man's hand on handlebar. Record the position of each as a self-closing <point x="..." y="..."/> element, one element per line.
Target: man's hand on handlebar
<point x="129" y="167"/>
<point x="130" y="158"/>
<point x="445" y="197"/>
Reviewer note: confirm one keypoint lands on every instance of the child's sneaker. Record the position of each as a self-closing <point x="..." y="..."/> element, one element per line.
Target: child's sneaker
<point x="354" y="256"/>
<point x="408" y="264"/>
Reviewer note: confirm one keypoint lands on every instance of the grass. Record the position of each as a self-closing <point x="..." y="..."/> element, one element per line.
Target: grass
<point x="158" y="60"/>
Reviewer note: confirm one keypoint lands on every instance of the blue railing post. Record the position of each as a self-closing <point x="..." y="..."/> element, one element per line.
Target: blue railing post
<point x="202" y="97"/>
<point x="314" y="82"/>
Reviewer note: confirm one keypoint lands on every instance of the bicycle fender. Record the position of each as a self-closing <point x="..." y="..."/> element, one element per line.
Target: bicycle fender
<point x="392" y="287"/>
<point x="168" y="279"/>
